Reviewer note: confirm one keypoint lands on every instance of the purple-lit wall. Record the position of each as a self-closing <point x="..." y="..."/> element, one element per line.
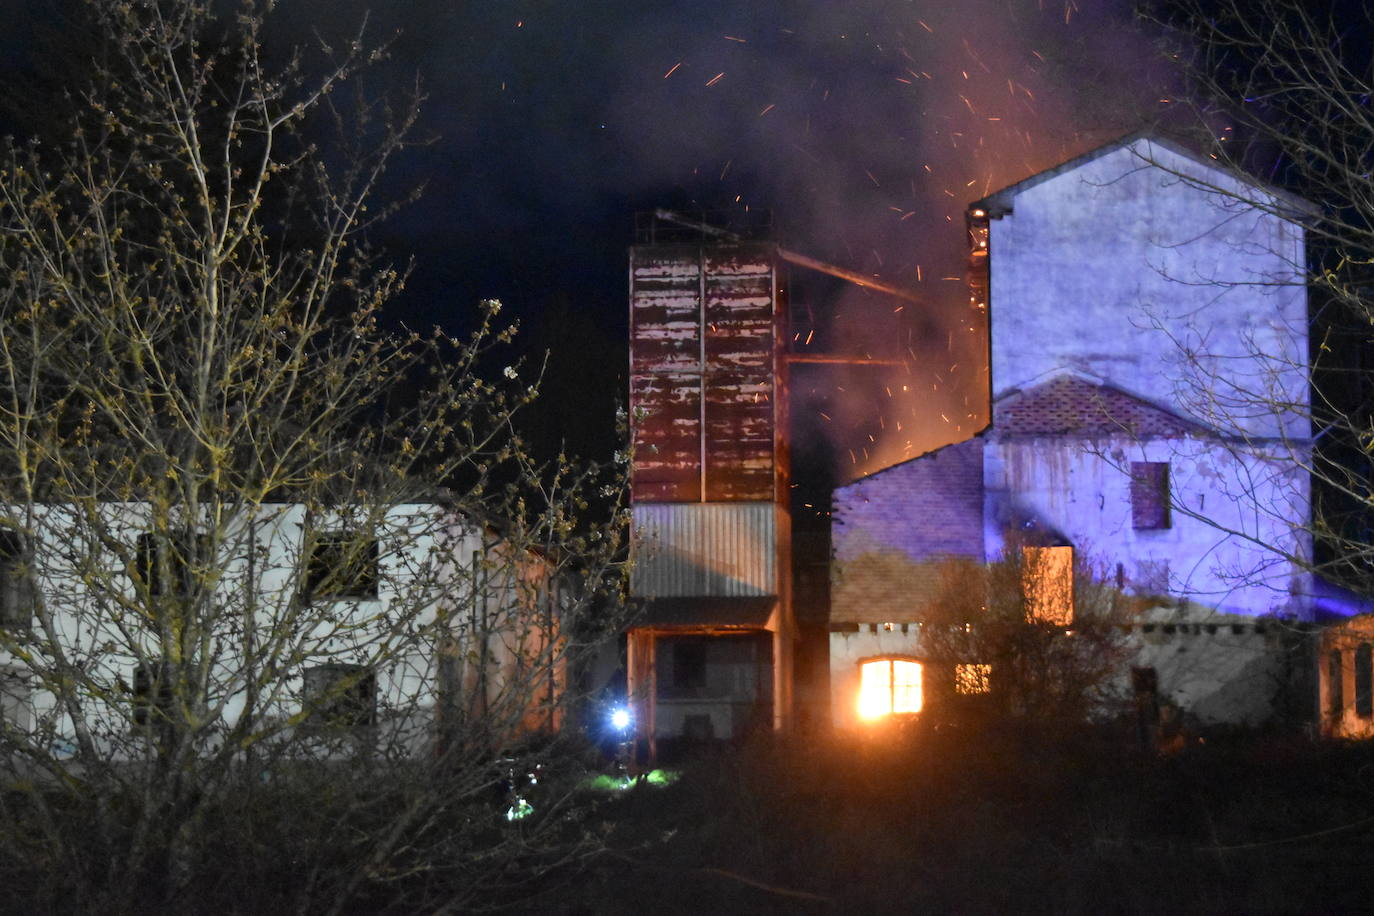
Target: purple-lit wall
<point x="892" y="530"/>
<point x="1153" y="269"/>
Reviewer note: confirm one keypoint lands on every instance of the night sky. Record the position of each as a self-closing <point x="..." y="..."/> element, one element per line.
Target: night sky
<point x="865" y="127"/>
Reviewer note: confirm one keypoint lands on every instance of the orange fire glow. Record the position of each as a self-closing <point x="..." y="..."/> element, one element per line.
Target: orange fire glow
<point x="1047" y="577"/>
<point x="889" y="685"/>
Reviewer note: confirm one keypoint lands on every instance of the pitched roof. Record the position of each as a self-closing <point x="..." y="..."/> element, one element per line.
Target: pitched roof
<point x="1069" y="405"/>
<point x="999" y="202"/>
<point x="926" y="507"/>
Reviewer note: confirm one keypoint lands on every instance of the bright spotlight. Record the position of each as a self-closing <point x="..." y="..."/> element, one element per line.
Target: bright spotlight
<point x="621" y="719"/>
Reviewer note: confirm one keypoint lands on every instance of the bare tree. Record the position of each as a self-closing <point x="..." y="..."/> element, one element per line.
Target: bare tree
<point x="1281" y="90"/>
<point x="281" y="588"/>
<point x="1036" y="636"/>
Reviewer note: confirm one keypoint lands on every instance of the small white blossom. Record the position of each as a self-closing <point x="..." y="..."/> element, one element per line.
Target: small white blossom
<point x="510" y="372"/>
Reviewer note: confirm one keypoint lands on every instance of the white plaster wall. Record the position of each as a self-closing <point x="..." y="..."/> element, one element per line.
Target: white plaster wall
<point x="1344" y="637"/>
<point x="1220" y="672"/>
<point x="1119" y="268"/>
<point x="1227" y="566"/>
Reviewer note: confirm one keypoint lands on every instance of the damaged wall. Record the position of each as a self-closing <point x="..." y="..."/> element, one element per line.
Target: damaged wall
<point x="1143" y="326"/>
<point x="1345" y="671"/>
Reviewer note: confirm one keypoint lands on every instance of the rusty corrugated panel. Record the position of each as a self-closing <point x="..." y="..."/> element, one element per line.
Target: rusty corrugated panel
<point x="665" y="372"/>
<point x="703" y="318"/>
<point x="686" y="549"/>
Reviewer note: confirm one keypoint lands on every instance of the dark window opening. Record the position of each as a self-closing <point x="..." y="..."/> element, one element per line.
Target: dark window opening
<point x="1364" y="669"/>
<point x="1149" y="495"/>
<point x="164" y="563"/>
<point x="16" y="591"/>
<point x="698" y="727"/>
<point x="1152" y="578"/>
<point x="342" y="566"/>
<point x="689" y="664"/>
<point x="152" y="692"/>
<point x="341" y="696"/>
<point x="14" y="700"/>
<point x="1145" y="686"/>
<point x="1335" y="677"/>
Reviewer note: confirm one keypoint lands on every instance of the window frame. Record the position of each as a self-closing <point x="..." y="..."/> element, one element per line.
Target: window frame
<point x="892" y="661"/>
<point x="1039" y="605"/>
<point x="329" y="706"/>
<point x="1150" y="496"/>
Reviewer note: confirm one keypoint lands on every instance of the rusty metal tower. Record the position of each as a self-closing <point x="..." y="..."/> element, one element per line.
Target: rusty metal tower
<point x="709" y="483"/>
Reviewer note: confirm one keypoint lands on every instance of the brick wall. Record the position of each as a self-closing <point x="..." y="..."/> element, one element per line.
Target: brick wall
<point x="894" y="532"/>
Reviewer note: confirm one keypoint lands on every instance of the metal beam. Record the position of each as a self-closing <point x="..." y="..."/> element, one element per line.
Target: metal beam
<point x="801" y="260"/>
<point x="832" y="358"/>
<point x="854" y="277"/>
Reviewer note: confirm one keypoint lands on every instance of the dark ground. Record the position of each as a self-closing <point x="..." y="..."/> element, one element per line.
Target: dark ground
<point x="991" y="823"/>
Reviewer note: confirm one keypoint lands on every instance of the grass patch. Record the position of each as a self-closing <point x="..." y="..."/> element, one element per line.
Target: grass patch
<point x="987" y="822"/>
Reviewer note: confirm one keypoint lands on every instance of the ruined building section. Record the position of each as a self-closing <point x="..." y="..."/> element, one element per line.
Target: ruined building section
<point x="1148" y="353"/>
<point x="900" y="538"/>
<point x="710" y="653"/>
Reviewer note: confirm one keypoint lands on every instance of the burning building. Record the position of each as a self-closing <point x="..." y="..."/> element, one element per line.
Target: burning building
<point x="1148" y="358"/>
<point x="710" y="653"/>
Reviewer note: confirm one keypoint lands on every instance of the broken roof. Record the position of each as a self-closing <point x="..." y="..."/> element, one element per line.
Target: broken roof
<point x="1070" y="405"/>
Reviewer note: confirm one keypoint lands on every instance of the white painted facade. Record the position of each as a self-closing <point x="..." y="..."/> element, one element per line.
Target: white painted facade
<point x="1233" y="518"/>
<point x="455" y="617"/>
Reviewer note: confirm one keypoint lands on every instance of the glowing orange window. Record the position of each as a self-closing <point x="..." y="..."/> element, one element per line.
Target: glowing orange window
<point x="889" y="685"/>
<point x="1047" y="578"/>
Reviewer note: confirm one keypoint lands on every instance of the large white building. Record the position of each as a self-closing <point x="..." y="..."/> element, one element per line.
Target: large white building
<point x="394" y="627"/>
<point x="1148" y="354"/>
